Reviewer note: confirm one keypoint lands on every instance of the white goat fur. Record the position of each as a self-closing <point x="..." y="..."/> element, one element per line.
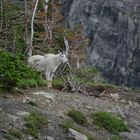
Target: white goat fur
<point x="47" y="64"/>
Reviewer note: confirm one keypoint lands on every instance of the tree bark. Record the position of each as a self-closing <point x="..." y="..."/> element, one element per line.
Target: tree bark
<point x="32" y="30"/>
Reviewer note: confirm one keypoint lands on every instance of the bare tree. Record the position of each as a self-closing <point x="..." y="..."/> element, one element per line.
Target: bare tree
<point x="67" y="45"/>
<point x="30" y="47"/>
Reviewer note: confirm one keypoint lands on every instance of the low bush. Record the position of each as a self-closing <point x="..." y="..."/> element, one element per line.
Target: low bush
<point x="110" y="122"/>
<point x="13" y="134"/>
<point x="115" y="137"/>
<point x="15" y="73"/>
<point x="78" y="117"/>
<point x="34" y="122"/>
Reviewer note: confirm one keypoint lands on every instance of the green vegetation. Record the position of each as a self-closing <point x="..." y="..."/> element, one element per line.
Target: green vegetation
<point x="58" y="83"/>
<point x="68" y="124"/>
<point x="12" y="37"/>
<point x="25" y="83"/>
<point x="103" y="84"/>
<point x="14" y="73"/>
<point x="114" y="137"/>
<point x="78" y="117"/>
<point x="34" y="122"/>
<point x="13" y="134"/>
<point x="85" y="75"/>
<point x="108" y="121"/>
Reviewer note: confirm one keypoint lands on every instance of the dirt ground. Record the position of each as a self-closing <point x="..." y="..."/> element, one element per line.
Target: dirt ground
<point x="55" y="105"/>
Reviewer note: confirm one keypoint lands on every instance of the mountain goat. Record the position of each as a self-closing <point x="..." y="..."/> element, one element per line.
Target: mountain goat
<point x="47" y="64"/>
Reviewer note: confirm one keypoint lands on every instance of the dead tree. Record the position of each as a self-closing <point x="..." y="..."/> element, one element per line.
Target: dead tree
<point x="30" y="47"/>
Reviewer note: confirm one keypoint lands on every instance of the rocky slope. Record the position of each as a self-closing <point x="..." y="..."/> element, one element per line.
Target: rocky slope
<point x="55" y="106"/>
<point x="113" y="27"/>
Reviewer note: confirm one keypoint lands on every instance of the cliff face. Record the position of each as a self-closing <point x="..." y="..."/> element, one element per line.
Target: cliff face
<point x="113" y="27"/>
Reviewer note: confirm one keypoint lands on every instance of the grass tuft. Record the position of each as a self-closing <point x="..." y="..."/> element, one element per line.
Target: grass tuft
<point x="115" y="137"/>
<point x="34" y="122"/>
<point x="58" y="83"/>
<point x="31" y="83"/>
<point x="13" y="134"/>
<point x="108" y="121"/>
<point x="78" y="117"/>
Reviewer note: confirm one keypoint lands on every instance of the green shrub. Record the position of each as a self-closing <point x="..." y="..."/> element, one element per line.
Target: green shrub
<point x="58" y="83"/>
<point x="78" y="117"/>
<point x="85" y="75"/>
<point x="108" y="121"/>
<point x="14" y="73"/>
<point x="13" y="134"/>
<point x="34" y="122"/>
<point x="114" y="137"/>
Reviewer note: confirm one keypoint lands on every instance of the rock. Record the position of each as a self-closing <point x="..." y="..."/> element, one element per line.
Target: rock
<point x="88" y="107"/>
<point x="134" y="124"/>
<point x="123" y="101"/>
<point x="30" y="138"/>
<point x="26" y="99"/>
<point x="130" y="136"/>
<point x="49" y="138"/>
<point x="47" y="95"/>
<point x="14" y="118"/>
<point x="76" y="135"/>
<point x="22" y="113"/>
<point x="112" y="31"/>
<point x="0" y="109"/>
<point x="136" y="104"/>
<point x="121" y="112"/>
<point x="61" y="114"/>
<point x="130" y="103"/>
<point x="115" y="96"/>
<point x="127" y="107"/>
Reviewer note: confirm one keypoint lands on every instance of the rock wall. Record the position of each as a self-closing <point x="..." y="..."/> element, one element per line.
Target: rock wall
<point x="113" y="27"/>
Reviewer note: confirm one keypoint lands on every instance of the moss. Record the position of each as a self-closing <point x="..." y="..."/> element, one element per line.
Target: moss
<point x="112" y="123"/>
<point x="78" y="117"/>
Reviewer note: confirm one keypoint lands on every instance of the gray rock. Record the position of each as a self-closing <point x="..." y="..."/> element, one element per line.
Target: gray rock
<point x="49" y="96"/>
<point x="121" y="112"/>
<point x="49" y="138"/>
<point x="130" y="136"/>
<point x="30" y="138"/>
<point x="113" y="28"/>
<point x="14" y="118"/>
<point x="26" y="99"/>
<point x="76" y="135"/>
<point x="115" y="96"/>
<point x="134" y="124"/>
<point x="22" y="113"/>
<point x="130" y="103"/>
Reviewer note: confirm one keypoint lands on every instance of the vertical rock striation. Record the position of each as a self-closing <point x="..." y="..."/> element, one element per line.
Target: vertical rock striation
<point x="113" y="27"/>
